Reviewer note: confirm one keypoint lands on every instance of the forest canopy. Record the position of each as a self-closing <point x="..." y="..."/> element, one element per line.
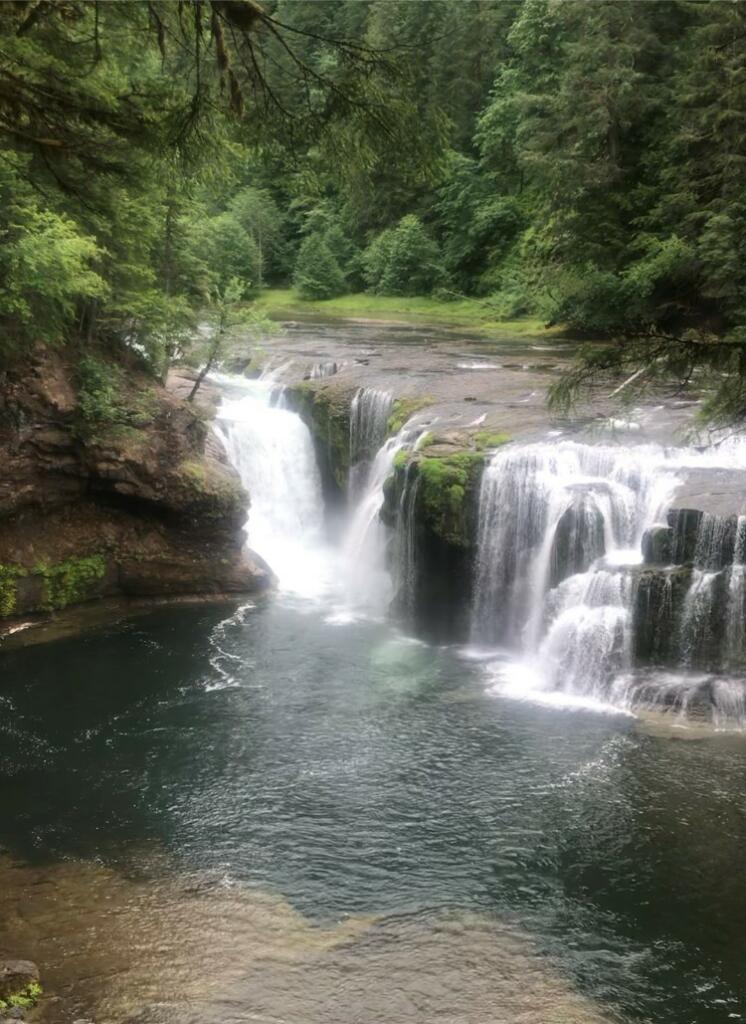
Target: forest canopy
<point x="584" y="162"/>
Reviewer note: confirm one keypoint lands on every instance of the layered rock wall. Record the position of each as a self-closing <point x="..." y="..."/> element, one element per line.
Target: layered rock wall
<point x="138" y="506"/>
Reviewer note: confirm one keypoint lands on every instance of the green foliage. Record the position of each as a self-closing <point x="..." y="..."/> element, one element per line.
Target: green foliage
<point x="46" y="261"/>
<point x="99" y="385"/>
<point x="70" y="582"/>
<point x="259" y="216"/>
<point x="403" y="260"/>
<point x="9" y="576"/>
<point x="403" y="409"/>
<point x="317" y="274"/>
<point x="24" y="999"/>
<point x="581" y="161"/>
<point x="445" y="483"/>
<point x="485" y="439"/>
<point x="227" y="251"/>
<point x="107" y="399"/>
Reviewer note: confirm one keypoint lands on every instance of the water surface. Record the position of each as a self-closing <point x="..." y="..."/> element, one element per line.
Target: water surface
<point x="213" y="815"/>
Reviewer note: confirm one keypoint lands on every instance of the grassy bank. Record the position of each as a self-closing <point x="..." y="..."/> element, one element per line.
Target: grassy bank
<point x="471" y="314"/>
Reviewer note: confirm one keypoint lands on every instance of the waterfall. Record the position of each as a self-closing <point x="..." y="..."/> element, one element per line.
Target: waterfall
<point x="735" y="630"/>
<point x="369" y="416"/>
<point x="406" y="546"/>
<point x="558" y="580"/>
<point x="368" y="581"/>
<point x="695" y="630"/>
<point x="326" y="368"/>
<point x="589" y="637"/>
<point x="712" y="629"/>
<point x="272" y="450"/>
<point x="549" y="511"/>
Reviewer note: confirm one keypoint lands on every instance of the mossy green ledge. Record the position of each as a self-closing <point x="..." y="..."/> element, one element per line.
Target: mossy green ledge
<point x="443" y="478"/>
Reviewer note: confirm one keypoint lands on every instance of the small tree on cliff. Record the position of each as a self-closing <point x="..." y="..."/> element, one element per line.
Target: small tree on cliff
<point x="228" y="318"/>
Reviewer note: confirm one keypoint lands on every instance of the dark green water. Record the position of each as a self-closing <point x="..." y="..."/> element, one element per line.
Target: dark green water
<point x="352" y="772"/>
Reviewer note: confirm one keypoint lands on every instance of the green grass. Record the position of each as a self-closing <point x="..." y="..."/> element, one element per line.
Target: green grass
<point x="473" y="314"/>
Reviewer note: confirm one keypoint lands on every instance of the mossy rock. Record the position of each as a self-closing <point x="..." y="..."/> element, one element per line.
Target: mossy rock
<point x="209" y="489"/>
<point x="19" y="984"/>
<point x="70" y="582"/>
<point x="446" y="496"/>
<point x="485" y="439"/>
<point x="9" y="576"/>
<point x="446" y="484"/>
<point x="324" y="406"/>
<point x="403" y="410"/>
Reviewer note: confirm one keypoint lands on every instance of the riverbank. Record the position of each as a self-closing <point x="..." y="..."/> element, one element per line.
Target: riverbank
<point x="472" y="314"/>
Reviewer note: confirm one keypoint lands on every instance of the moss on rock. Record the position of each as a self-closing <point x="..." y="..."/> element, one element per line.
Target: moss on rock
<point x="486" y="439"/>
<point x="70" y="582"/>
<point x="444" y="484"/>
<point x="24" y="999"/>
<point x="210" y="489"/>
<point x="403" y="409"/>
<point x="9" y="576"/>
<point x="324" y="406"/>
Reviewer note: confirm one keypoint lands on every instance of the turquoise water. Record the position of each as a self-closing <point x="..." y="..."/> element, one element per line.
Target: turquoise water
<point x="358" y="775"/>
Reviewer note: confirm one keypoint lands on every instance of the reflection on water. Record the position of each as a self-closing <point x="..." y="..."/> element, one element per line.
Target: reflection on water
<point x="222" y="816"/>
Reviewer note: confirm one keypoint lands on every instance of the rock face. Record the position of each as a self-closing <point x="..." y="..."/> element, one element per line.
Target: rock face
<point x="324" y="406"/>
<point x="139" y="504"/>
<point x="431" y="501"/>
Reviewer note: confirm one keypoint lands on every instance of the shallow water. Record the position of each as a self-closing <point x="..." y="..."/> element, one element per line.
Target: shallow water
<point x="270" y="816"/>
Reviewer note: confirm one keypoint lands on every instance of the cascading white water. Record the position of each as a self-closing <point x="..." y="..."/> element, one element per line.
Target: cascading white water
<point x="589" y="635"/>
<point x="272" y="450"/>
<point x="369" y="416"/>
<point x="406" y="546"/>
<point x="368" y="581"/>
<point x="695" y="633"/>
<point x="548" y="511"/>
<point x="326" y="368"/>
<point x="735" y="632"/>
<point x="559" y="528"/>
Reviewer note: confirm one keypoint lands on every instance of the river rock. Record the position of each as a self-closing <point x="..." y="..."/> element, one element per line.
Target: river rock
<point x="16" y="976"/>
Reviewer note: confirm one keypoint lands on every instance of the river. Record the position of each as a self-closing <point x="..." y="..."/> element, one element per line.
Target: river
<point x="292" y="811"/>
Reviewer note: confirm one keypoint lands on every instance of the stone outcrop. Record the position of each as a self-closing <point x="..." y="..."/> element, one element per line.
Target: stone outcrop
<point x="324" y="406"/>
<point x="136" y="503"/>
<point x="432" y="498"/>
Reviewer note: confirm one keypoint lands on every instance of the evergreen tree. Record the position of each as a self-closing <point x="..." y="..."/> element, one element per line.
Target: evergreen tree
<point x="317" y="274"/>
